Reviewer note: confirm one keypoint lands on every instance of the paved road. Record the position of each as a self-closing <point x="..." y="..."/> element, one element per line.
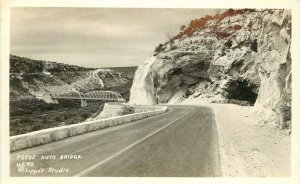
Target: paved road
<point x="179" y="143"/>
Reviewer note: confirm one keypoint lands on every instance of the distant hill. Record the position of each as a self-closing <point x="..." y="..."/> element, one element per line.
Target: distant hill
<point x="31" y="78"/>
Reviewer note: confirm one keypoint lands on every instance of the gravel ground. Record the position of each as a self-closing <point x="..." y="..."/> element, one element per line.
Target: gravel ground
<point x="248" y="149"/>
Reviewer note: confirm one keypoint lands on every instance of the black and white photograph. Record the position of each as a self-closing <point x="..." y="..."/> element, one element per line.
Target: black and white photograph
<point x="149" y="92"/>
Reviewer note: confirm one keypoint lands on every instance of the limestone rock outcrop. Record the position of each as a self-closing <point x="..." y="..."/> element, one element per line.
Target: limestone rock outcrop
<point x="247" y="50"/>
<point x="112" y="109"/>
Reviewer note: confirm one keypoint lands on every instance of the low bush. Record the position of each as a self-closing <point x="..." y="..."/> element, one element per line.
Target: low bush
<point x="159" y="48"/>
<point x="33" y="114"/>
<point x="254" y="45"/>
<point x="228" y="43"/>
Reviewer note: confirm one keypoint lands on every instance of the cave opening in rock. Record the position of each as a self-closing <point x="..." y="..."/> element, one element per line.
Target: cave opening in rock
<point x="241" y="90"/>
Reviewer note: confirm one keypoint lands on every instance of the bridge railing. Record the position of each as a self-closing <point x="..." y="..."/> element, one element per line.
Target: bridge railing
<point x="92" y="95"/>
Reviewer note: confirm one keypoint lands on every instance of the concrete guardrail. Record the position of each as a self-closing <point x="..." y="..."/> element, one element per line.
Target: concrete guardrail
<point x="45" y="136"/>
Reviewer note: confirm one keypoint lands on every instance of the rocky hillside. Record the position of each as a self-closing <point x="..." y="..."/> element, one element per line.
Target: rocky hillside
<point x="31" y="82"/>
<point x="239" y="56"/>
<point x="33" y="78"/>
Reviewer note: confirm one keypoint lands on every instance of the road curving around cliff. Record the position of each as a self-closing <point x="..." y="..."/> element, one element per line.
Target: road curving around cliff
<point x="179" y="143"/>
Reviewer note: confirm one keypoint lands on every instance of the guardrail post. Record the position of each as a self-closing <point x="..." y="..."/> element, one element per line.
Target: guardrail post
<point x="83" y="102"/>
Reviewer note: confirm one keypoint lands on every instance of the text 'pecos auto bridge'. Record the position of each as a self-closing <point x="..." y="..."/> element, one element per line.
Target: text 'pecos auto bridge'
<point x="92" y="95"/>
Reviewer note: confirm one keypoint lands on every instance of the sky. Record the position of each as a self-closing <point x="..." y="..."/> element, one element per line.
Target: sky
<point x="95" y="37"/>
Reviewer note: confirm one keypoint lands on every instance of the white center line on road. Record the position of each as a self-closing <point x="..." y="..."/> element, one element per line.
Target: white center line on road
<point x="126" y="148"/>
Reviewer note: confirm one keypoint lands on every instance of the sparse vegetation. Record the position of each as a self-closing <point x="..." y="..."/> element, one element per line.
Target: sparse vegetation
<point x="254" y="45"/>
<point x="29" y="115"/>
<point x="228" y="43"/>
<point x="159" y="48"/>
<point x="31" y="66"/>
<point x="201" y="23"/>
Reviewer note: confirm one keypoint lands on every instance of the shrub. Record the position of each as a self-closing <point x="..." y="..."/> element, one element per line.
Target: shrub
<point x="159" y="48"/>
<point x="229" y="12"/>
<point x="84" y="115"/>
<point x="58" y="118"/>
<point x="201" y="23"/>
<point x="182" y="27"/>
<point x="254" y="45"/>
<point x="250" y="25"/>
<point x="240" y="89"/>
<point x="25" y="120"/>
<point x="228" y="43"/>
<point x="173" y="47"/>
<point x="36" y="127"/>
<point x="222" y="34"/>
<point x="285" y="115"/>
<point x="237" y="27"/>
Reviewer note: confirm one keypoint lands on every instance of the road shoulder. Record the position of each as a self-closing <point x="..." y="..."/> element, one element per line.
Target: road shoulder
<point x="248" y="149"/>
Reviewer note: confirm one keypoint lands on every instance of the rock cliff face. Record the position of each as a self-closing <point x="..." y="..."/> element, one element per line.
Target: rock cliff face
<point x="239" y="56"/>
